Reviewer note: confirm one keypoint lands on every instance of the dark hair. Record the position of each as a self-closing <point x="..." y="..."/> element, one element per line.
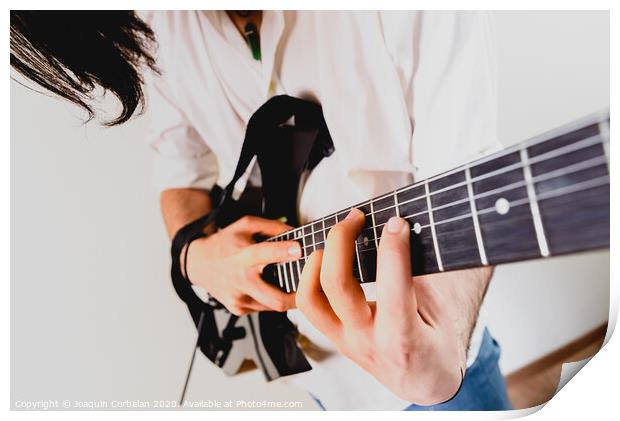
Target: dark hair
<point x="72" y="53"/>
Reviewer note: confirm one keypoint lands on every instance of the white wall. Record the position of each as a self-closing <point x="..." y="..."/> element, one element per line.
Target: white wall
<point x="93" y="314"/>
<point x="553" y="67"/>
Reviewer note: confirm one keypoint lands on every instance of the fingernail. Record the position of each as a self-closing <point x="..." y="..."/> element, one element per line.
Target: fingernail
<point x="294" y="250"/>
<point x="395" y="225"/>
<point x="352" y="214"/>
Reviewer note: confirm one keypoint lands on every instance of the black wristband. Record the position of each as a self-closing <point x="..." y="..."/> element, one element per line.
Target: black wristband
<point x="182" y="285"/>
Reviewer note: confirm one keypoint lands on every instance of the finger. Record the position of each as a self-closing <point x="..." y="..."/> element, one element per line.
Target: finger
<point x="245" y="305"/>
<point x="343" y="291"/>
<point x="256" y="225"/>
<point x="271" y="252"/>
<point x="396" y="298"/>
<point x="313" y="303"/>
<point x="269" y="296"/>
<point x="251" y="306"/>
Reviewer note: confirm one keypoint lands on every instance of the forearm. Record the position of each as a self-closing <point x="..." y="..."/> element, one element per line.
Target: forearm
<point x="466" y="291"/>
<point x="181" y="206"/>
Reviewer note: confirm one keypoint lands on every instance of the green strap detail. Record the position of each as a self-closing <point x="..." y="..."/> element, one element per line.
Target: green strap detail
<point x="253" y="38"/>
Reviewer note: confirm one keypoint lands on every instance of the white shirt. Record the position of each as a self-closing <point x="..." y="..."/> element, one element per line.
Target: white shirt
<point x="405" y="95"/>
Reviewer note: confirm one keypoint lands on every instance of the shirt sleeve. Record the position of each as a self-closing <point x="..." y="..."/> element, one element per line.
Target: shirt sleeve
<point x="182" y="157"/>
<point x="449" y="78"/>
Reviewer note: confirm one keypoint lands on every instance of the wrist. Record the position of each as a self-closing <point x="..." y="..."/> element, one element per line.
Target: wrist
<point x="187" y="253"/>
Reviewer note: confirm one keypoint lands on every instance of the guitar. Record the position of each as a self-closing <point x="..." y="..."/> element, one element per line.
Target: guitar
<point x="545" y="197"/>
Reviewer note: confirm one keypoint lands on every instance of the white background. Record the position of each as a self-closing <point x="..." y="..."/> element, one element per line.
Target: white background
<point x="94" y="316"/>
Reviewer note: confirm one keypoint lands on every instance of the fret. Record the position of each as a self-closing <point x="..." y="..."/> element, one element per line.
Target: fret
<point x="280" y="276"/>
<point x="296" y="238"/>
<point x="474" y="213"/>
<point x="303" y="243"/>
<point x="413" y="207"/>
<point x="294" y="276"/>
<point x="396" y="204"/>
<point x="269" y="272"/>
<point x="360" y="273"/>
<point x="366" y="239"/>
<point x="576" y="217"/>
<point x="302" y="264"/>
<point x="374" y="224"/>
<point x="507" y="230"/>
<point x="357" y="264"/>
<point x="382" y="216"/>
<point x="573" y="181"/>
<point x="308" y="240"/>
<point x="319" y="236"/>
<point x="432" y="226"/>
<point x="531" y="193"/>
<point x="452" y="222"/>
<point x="312" y="237"/>
<point x="289" y="266"/>
<point x="449" y="203"/>
<point x="422" y="247"/>
<point x="286" y="282"/>
<point x="329" y="222"/>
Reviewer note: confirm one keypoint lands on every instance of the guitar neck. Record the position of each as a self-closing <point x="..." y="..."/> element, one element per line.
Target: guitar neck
<point x="547" y="196"/>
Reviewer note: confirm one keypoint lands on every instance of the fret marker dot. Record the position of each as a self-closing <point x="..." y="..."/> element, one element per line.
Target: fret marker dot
<point x="417" y="228"/>
<point x="502" y="206"/>
<point x="365" y="241"/>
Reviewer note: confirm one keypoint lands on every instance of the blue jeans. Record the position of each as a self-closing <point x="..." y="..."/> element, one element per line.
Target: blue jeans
<point x="483" y="388"/>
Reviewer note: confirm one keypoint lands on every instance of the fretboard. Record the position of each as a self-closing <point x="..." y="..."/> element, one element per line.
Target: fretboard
<point x="547" y="196"/>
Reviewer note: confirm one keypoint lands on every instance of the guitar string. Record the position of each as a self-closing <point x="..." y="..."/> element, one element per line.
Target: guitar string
<point x="576" y="187"/>
<point x="573" y="188"/>
<point x="593" y="140"/>
<point x="582" y="144"/>
<point x="515" y="148"/>
<point x="586" y="164"/>
<point x="589" y="163"/>
<point x="589" y="184"/>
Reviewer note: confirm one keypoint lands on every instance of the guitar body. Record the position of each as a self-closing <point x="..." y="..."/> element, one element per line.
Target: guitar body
<point x="283" y="153"/>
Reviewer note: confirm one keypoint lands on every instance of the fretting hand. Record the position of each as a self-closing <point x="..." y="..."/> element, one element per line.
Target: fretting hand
<point x="410" y="340"/>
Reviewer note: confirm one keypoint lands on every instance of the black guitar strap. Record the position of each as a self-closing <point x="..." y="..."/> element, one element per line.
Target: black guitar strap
<point x="273" y="338"/>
